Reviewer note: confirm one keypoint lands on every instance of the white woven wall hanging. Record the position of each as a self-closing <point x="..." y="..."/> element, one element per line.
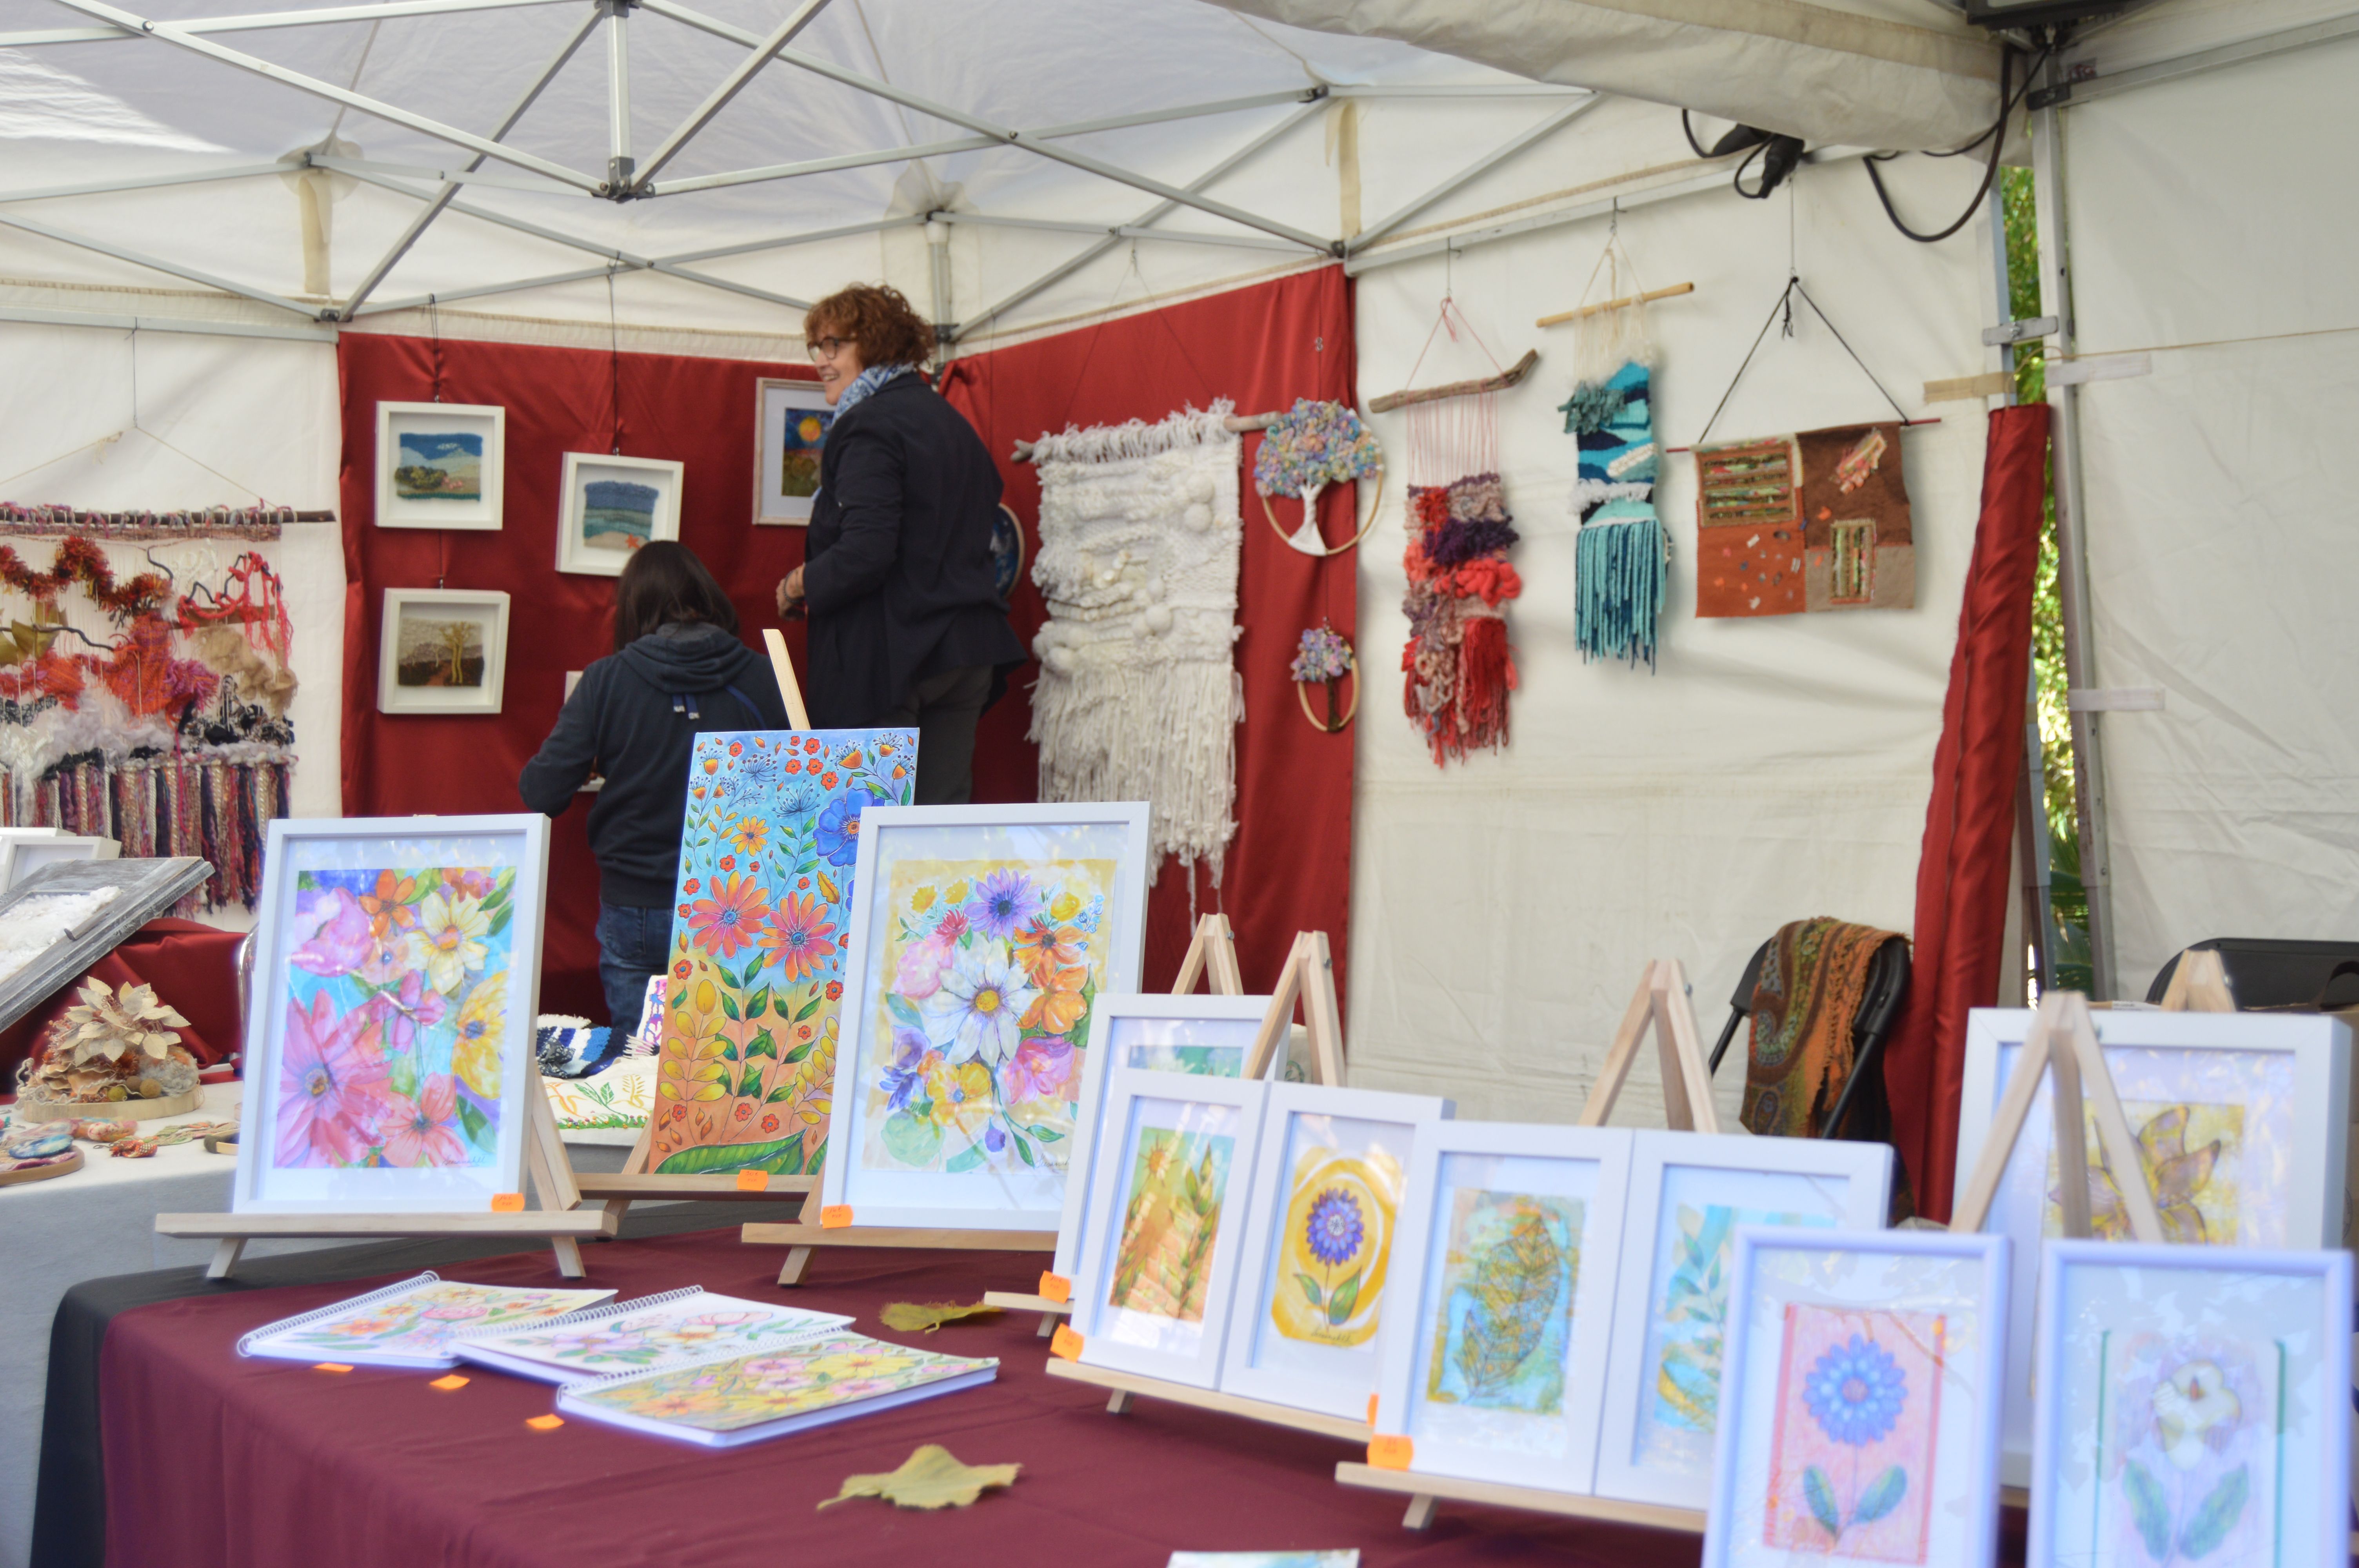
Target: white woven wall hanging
<point x="1139" y="697"/>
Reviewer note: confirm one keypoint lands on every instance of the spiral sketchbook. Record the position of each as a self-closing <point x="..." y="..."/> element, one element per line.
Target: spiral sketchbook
<point x="649" y="1334"/>
<point x="410" y="1324"/>
<point x="727" y="1399"/>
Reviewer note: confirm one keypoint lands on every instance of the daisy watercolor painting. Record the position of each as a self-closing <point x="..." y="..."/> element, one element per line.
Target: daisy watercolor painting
<point x="755" y="988"/>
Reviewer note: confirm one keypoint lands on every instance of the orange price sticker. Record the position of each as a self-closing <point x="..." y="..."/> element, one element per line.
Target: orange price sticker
<point x="507" y="1202"/>
<point x="836" y="1217"/>
<point x="545" y="1422"/>
<point x="1065" y="1343"/>
<point x="753" y="1181"/>
<point x="1390" y="1453"/>
<point x="450" y="1384"/>
<point x="331" y="1366"/>
<point x="1055" y="1287"/>
<point x="1371" y="1410"/>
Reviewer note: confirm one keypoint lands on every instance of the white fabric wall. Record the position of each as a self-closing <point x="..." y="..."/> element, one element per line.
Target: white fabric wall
<point x="1503" y="910"/>
<point x="2209" y="224"/>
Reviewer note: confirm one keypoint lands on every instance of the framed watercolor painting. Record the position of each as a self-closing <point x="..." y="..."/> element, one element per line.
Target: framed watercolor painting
<point x="753" y="987"/>
<point x="1319" y="1237"/>
<point x="386" y="1073"/>
<point x="1160" y="1258"/>
<point x="2194" y="1408"/>
<point x="2241" y="1121"/>
<point x="1688" y="1192"/>
<point x="1859" y="1417"/>
<point x="1493" y="1353"/>
<point x="440" y="465"/>
<point x="791" y="419"/>
<point x="441" y="649"/>
<point x="609" y="506"/>
<point x="981" y="938"/>
<point x="1209" y="1036"/>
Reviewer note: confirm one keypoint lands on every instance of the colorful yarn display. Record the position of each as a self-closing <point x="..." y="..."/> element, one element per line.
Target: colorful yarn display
<point x="1311" y="445"/>
<point x="1459" y="667"/>
<point x="1622" y="561"/>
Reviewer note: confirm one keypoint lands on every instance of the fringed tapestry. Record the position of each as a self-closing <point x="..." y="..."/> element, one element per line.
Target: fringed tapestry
<point x="1458" y="666"/>
<point x="1139" y="697"/>
<point x="144" y="693"/>
<point x="1804" y="1007"/>
<point x="1800" y="524"/>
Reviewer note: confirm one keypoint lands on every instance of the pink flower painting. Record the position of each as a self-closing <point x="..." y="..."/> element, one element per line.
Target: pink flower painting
<point x="1859" y="1407"/>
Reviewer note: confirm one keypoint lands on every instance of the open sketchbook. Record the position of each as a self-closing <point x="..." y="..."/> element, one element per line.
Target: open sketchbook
<point x="411" y="1324"/>
<point x="647" y="1335"/>
<point x="724" y="1401"/>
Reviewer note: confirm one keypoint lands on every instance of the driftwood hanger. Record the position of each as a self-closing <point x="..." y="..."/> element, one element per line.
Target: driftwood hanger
<point x="1507" y="378"/>
<point x="1661" y="1001"/>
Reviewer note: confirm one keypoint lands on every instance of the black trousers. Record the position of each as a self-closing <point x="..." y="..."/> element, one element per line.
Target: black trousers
<point x="944" y="708"/>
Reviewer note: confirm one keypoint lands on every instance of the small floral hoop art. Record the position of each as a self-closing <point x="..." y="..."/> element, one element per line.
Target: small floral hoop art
<point x="1861" y="1384"/>
<point x="1308" y="447"/>
<point x="1319" y="1240"/>
<point x="1326" y="656"/>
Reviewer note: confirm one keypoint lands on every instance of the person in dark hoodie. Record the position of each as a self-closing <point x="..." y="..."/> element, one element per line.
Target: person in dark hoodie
<point x="678" y="669"/>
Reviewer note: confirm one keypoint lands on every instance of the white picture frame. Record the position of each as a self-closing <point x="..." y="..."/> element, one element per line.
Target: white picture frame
<point x="403" y="645"/>
<point x="2287" y="1076"/>
<point x="1209" y="1035"/>
<point x="20" y="858"/>
<point x="1096" y="851"/>
<point x="1288" y="1298"/>
<point x="1535" y="1422"/>
<point x="1887" y="1350"/>
<point x="1689" y="1191"/>
<point x="412" y="1044"/>
<point x="465" y="441"/>
<point x="636" y="501"/>
<point x="2172" y="1329"/>
<point x="1164" y="1134"/>
<point x="783" y="406"/>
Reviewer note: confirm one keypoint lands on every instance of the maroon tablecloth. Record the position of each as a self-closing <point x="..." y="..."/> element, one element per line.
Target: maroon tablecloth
<point x="213" y="1462"/>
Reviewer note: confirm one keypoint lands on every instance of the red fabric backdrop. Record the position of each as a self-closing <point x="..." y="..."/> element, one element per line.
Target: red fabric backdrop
<point x="1962" y="875"/>
<point x="1290" y="866"/>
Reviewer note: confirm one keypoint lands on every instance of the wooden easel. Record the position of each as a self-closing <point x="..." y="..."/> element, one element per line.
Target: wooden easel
<point x="559" y="1216"/>
<point x="1308" y="976"/>
<point x="1660" y="999"/>
<point x="2199" y="984"/>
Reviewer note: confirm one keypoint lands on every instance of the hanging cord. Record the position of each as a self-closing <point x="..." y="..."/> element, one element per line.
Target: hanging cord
<point x="1150" y="296"/>
<point x="1786" y="304"/>
<point x="434" y="335"/>
<point x="614" y="365"/>
<point x="2008" y="98"/>
<point x="134" y="426"/>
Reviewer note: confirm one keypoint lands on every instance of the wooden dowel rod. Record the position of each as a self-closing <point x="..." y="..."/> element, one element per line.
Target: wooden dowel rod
<point x="784" y="668"/>
<point x="1562" y="317"/>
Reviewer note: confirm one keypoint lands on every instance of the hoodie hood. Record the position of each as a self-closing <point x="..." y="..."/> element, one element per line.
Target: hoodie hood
<point x="687" y="655"/>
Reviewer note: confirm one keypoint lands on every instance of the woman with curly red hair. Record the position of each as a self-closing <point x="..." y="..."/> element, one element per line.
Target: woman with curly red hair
<point x="906" y="625"/>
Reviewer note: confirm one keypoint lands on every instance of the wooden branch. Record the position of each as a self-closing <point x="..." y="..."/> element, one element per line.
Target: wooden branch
<point x="1239" y="423"/>
<point x="1509" y="377"/>
<point x="1562" y="317"/>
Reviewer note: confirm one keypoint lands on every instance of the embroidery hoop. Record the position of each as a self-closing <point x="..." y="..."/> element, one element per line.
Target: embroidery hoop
<point x="1309" y="515"/>
<point x="1302" y="696"/>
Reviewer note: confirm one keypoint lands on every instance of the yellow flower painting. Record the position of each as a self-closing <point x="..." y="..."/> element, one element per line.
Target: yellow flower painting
<point x="1339" y="1227"/>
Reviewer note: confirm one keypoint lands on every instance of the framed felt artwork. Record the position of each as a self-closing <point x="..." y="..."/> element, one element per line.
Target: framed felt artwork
<point x="1209" y="1036"/>
<point x="441" y="649"/>
<point x="753" y="990"/>
<point x="1688" y="1192"/>
<point x="609" y="506"/>
<point x="2193" y="1409"/>
<point x="1860" y="1400"/>
<point x="1171" y="1182"/>
<point x="397" y="979"/>
<point x="440" y="465"/>
<point x="791" y="420"/>
<point x="981" y="938"/>
<point x="1493" y="1354"/>
<point x="2241" y="1122"/>
<point x="20" y="858"/>
<point x="1320" y="1239"/>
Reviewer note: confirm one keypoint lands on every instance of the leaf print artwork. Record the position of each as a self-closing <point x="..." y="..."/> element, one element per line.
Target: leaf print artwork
<point x="1163" y="1266"/>
<point x="2190" y="1443"/>
<point x="1338" y="1240"/>
<point x="1858" y="1419"/>
<point x="1691" y="1317"/>
<point x="2189" y="1155"/>
<point x="1504" y="1316"/>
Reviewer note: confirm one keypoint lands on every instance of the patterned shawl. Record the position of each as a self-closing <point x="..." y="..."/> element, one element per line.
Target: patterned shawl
<point x="1803" y="1006"/>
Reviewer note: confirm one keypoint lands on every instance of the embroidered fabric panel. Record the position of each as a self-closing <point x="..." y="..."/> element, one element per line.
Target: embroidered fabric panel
<point x="1795" y="524"/>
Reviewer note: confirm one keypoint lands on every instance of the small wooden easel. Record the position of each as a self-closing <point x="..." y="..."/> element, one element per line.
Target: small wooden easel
<point x="2199" y="984"/>
<point x="1308" y="976"/>
<point x="560" y="1216"/>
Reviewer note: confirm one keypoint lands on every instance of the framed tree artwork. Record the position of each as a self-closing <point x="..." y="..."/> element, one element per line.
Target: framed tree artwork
<point x="441" y="649"/>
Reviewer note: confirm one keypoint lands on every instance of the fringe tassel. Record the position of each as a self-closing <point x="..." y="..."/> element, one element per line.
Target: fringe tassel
<point x="1486" y="672"/>
<point x="1620" y="570"/>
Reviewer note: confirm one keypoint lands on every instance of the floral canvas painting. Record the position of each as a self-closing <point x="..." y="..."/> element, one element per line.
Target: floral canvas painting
<point x="2189" y="1155"/>
<point x="1504" y="1315"/>
<point x="987" y="971"/>
<point x="1858" y="1417"/>
<point x="2191" y="1442"/>
<point x="1330" y="1282"/>
<point x="753" y="991"/>
<point x="397" y="983"/>
<point x="1163" y="1265"/>
<point x="1686" y="1339"/>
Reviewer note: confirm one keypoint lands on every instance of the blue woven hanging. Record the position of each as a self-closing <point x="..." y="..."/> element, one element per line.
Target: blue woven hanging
<point x="1623" y="561"/>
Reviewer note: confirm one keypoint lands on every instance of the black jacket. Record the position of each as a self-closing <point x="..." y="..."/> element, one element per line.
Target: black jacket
<point x="621" y="721"/>
<point x="898" y="573"/>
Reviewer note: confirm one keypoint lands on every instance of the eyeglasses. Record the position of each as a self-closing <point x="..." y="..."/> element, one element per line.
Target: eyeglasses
<point x="828" y="348"/>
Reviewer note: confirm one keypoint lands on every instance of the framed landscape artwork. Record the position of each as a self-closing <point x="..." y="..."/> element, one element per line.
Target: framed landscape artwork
<point x="440" y="465"/>
<point x="2193" y="1408"/>
<point x="1860" y="1400"/>
<point x="1316" y="1278"/>
<point x="609" y="506"/>
<point x="1160" y="1259"/>
<point x="981" y="938"/>
<point x="398" y="977"/>
<point x="753" y="988"/>
<point x="2241" y="1124"/>
<point x="1209" y="1036"/>
<point x="1492" y="1350"/>
<point x="441" y="649"/>
<point x="791" y="421"/>
<point x="1688" y="1192"/>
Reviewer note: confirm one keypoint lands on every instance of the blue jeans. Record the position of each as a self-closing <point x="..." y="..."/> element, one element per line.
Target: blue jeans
<point x="632" y="945"/>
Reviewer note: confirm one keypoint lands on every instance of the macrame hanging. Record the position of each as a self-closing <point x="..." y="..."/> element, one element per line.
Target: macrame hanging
<point x="1622" y="559"/>
<point x="1458" y="665"/>
<point x="1139" y="697"/>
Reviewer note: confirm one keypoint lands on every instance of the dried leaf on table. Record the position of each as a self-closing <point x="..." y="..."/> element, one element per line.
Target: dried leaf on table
<point x="930" y="1478"/>
<point x="931" y="1315"/>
